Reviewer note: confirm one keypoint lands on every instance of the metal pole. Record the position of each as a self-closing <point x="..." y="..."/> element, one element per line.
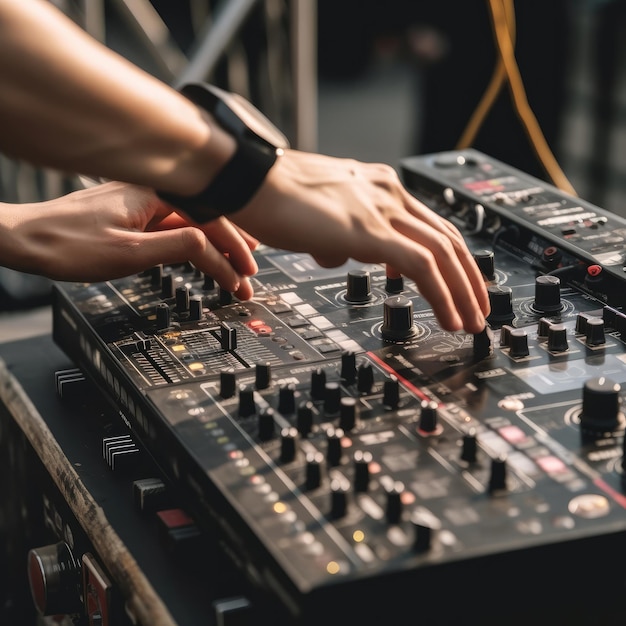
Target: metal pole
<point x="304" y="42"/>
<point x="215" y="38"/>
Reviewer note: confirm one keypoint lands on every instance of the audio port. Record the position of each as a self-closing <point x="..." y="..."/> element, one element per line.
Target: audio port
<point x="475" y="218"/>
<point x="492" y="224"/>
<point x="594" y="277"/>
<point x="551" y="257"/>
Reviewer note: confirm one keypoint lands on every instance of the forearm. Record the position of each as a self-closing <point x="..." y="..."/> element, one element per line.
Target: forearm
<point x="72" y="104"/>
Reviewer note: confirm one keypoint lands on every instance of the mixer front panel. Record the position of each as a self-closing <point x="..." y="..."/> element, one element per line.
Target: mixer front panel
<point x="338" y="441"/>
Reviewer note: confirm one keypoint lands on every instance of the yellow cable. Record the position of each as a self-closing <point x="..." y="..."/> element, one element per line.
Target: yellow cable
<point x="520" y="101"/>
<point x="493" y="89"/>
<point x="503" y="21"/>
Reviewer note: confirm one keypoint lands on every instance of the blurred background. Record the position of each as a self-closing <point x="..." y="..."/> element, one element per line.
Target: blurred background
<point x="377" y="82"/>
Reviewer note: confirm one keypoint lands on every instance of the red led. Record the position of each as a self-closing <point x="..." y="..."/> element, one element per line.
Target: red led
<point x="594" y="270"/>
<point x="174" y="518"/>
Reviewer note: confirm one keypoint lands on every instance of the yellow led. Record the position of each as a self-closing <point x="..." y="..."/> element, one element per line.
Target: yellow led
<point x="358" y="536"/>
<point x="332" y="567"/>
<point x="280" y="507"/>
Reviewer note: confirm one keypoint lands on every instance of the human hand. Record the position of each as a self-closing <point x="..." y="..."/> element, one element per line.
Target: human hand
<point x="337" y="209"/>
<point x="115" y="229"/>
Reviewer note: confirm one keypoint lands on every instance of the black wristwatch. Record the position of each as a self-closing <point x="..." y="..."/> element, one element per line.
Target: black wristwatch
<point x="259" y="144"/>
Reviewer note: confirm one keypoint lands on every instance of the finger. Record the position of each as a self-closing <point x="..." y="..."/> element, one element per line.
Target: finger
<point x="229" y="239"/>
<point x="185" y="244"/>
<point x="253" y="242"/>
<point x="224" y="236"/>
<point x="420" y="266"/>
<point x="392" y="272"/>
<point x="460" y="291"/>
<point x="245" y="291"/>
<point x="463" y="253"/>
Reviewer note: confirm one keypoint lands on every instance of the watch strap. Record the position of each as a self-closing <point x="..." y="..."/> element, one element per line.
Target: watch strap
<point x="240" y="178"/>
<point x="232" y="187"/>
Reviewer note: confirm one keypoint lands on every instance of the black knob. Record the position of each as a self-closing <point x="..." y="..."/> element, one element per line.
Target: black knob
<point x="267" y="424"/>
<point x="428" y="420"/>
<point x="362" y="460"/>
<point x="358" y="290"/>
<point x="595" y="332"/>
<point x="365" y="377"/>
<point x="557" y="338"/>
<point x="547" y="294"/>
<point x="227" y="383"/>
<point x="518" y="343"/>
<point x="501" y="301"/>
<point x="156" y="275"/>
<point x="224" y="297"/>
<point x="348" y="367"/>
<point x="497" y="478"/>
<point x="483" y="344"/>
<point x="304" y="418"/>
<point x="391" y="393"/>
<point x="348" y="413"/>
<point x="425" y="527"/>
<point x="600" y="407"/>
<point x="262" y="375"/>
<point x="486" y="264"/>
<point x="338" y="499"/>
<point x="195" y="308"/>
<point x="318" y="384"/>
<point x="505" y="336"/>
<point x="288" y="444"/>
<point x="163" y="316"/>
<point x="287" y="399"/>
<point x="55" y="580"/>
<point x="393" y="509"/>
<point x="332" y="398"/>
<point x="313" y="470"/>
<point x="543" y="327"/>
<point x="247" y="403"/>
<point x="398" y="319"/>
<point x="182" y="299"/>
<point x="333" y="449"/>
<point x="469" y="447"/>
<point x="581" y="323"/>
<point x="394" y="284"/>
<point x="167" y="286"/>
<point x="208" y="283"/>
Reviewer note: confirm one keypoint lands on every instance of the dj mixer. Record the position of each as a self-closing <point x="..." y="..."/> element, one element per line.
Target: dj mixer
<point x="358" y="464"/>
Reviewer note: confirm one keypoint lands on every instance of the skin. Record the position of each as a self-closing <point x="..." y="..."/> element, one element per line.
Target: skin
<point x="78" y="107"/>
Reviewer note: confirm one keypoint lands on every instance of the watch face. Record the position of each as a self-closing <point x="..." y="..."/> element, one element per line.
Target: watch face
<point x="247" y="118"/>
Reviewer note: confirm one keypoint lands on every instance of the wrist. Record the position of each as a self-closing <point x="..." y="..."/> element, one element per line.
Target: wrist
<point x="237" y="173"/>
<point x="207" y="160"/>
